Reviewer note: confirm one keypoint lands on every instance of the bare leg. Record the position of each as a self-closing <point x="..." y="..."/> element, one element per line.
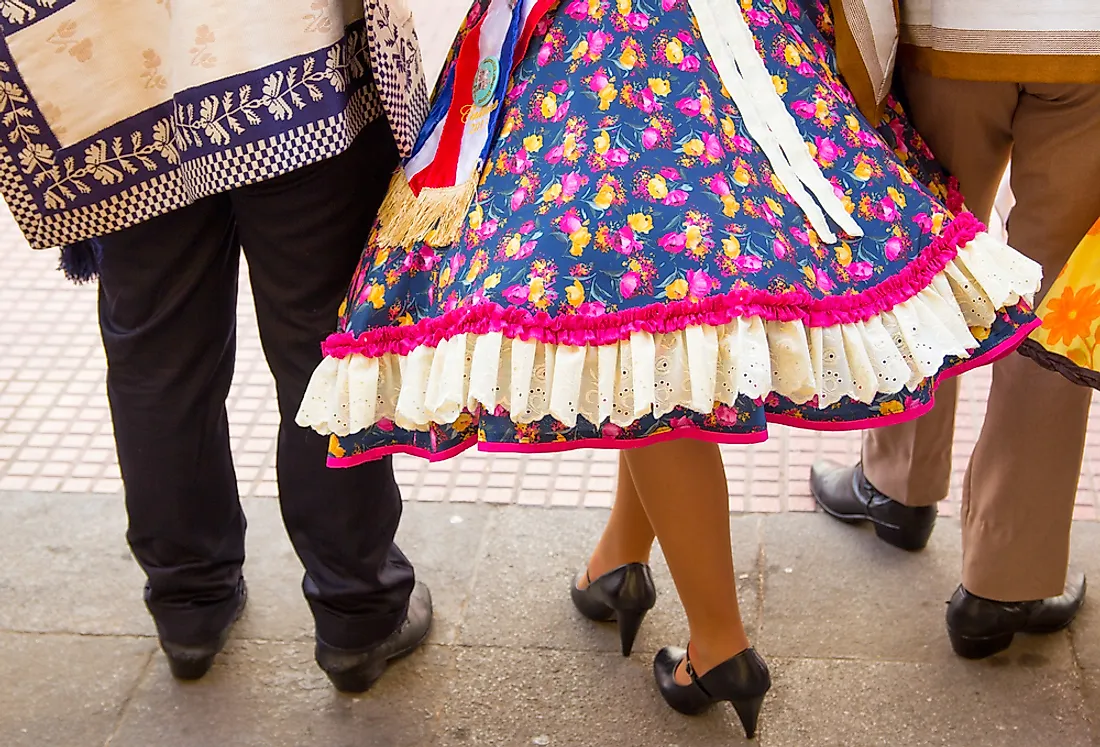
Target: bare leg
<point x="627" y="537"/>
<point x="682" y="485"/>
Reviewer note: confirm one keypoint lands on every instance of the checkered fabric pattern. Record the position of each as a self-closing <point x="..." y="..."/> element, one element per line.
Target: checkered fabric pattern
<point x="397" y="68"/>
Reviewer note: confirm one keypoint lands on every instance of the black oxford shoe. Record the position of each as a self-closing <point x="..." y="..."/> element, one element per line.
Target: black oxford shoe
<point x="981" y="627"/>
<point x="193" y="662"/>
<point x="357" y="671"/>
<point x="845" y="494"/>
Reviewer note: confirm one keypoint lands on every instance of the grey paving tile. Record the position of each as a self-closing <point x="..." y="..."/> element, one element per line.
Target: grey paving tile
<point x="521" y="598"/>
<point x="518" y="698"/>
<point x="834" y="590"/>
<point x="67" y="567"/>
<point x="1085" y="631"/>
<point x="273" y="695"/>
<point x="64" y="690"/>
<point x="817" y="703"/>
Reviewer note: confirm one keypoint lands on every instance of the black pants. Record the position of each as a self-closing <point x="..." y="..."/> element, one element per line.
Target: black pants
<point x="167" y="300"/>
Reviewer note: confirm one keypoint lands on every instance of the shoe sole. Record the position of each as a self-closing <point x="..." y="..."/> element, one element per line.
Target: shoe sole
<point x="888" y="533"/>
<point x="190" y="670"/>
<point x="360" y="681"/>
<point x="982" y="647"/>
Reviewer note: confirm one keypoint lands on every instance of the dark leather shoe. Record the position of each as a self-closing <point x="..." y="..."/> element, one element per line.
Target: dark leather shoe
<point x="357" y="671"/>
<point x="845" y="494"/>
<point x="981" y="627"/>
<point x="193" y="662"/>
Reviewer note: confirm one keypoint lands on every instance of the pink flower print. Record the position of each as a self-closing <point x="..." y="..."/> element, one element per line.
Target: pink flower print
<point x="527" y="227"/>
<point x="725" y="415"/>
<point x="385" y="425"/>
<point x="667" y="5"/>
<point x="741" y="143"/>
<point x="718" y="185"/>
<point x="570" y="223"/>
<point x="517" y="294"/>
<point x="637" y="21"/>
<point x="624" y="241"/>
<point x="867" y="138"/>
<point x="780" y="249"/>
<point x="599" y="82"/>
<point x="676" y="198"/>
<point x="894" y="248"/>
<point x="804" y="109"/>
<point x="805" y="69"/>
<point x="597" y="43"/>
<point x="577" y="10"/>
<point x="544" y="54"/>
<point x="827" y="151"/>
<point x="562" y="113"/>
<point x="689" y="107"/>
<point x="860" y="271"/>
<point x="610" y="430"/>
<point x="713" y="146"/>
<point x="570" y="183"/>
<point x="561" y="87"/>
<point x="591" y="308"/>
<point x="769" y="216"/>
<point x="647" y="101"/>
<point x="517" y="90"/>
<point x="690" y="64"/>
<point x="673" y="242"/>
<point x="888" y="209"/>
<point x="801" y="235"/>
<point x="521" y="163"/>
<point x="617" y="157"/>
<point x="681" y="422"/>
<point x="518" y="198"/>
<point x="555" y="154"/>
<point x="488" y="229"/>
<point x="650" y="138"/>
<point x="684" y="36"/>
<point x="670" y="173"/>
<point x="824" y="282"/>
<point x="526" y="249"/>
<point x="629" y="283"/>
<point x="699" y="283"/>
<point x="757" y="17"/>
<point x="747" y="263"/>
<point x="924" y="222"/>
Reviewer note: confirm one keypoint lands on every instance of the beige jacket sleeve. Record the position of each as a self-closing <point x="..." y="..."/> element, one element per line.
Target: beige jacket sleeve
<point x="867" y="34"/>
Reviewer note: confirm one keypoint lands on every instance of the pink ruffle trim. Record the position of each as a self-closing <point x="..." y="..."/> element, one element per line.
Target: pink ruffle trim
<point x="664" y="317"/>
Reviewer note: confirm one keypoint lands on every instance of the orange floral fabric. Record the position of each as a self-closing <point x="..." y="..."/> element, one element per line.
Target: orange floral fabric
<point x="1071" y="310"/>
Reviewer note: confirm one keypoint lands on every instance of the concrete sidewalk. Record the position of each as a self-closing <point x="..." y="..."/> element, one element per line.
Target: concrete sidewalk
<point x="853" y="631"/>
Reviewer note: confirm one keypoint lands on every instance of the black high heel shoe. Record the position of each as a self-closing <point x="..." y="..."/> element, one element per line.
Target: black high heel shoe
<point x="624" y="595"/>
<point x="741" y="681"/>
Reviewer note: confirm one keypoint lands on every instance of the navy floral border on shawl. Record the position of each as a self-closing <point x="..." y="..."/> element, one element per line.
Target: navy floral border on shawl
<point x="206" y="139"/>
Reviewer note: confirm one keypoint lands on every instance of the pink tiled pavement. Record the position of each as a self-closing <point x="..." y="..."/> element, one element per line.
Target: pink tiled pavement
<point x="55" y="429"/>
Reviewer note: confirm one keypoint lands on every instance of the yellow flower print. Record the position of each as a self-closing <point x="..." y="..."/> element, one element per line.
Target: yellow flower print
<point x="742" y="176"/>
<point x="1072" y="315"/>
<point x="492" y="281"/>
<point x="657" y="187"/>
<point x="624" y="6"/>
<point x="537" y="290"/>
<point x="780" y="84"/>
<point x="677" y="289"/>
<point x="775" y="206"/>
<point x="569" y="147"/>
<point x="811" y="278"/>
<point x="980" y="333"/>
<point x="552" y="192"/>
<point x="791" y="55"/>
<point x="605" y="197"/>
<point x="780" y="5"/>
<point x="730" y="205"/>
<point x="660" y="86"/>
<point x="334" y="447"/>
<point x="445" y="276"/>
<point x="843" y="254"/>
<point x="694" y="147"/>
<point x="463" y="422"/>
<point x="674" y="52"/>
<point x="821" y="110"/>
<point x="405" y="320"/>
<point x="863" y="171"/>
<point x="640" y="222"/>
<point x="574" y="294"/>
<point x="549" y="105"/>
<point x="581" y="49"/>
<point x="896" y="196"/>
<point x="629" y="58"/>
<point x="603" y="142"/>
<point x="706" y="106"/>
<point x="891" y="407"/>
<point x="477" y="217"/>
<point x="343" y="308"/>
<point x="728" y="127"/>
<point x="693" y="237"/>
<point x="532" y="143"/>
<point x="513" y="246"/>
<point x="377" y="295"/>
<point x="579" y="239"/>
<point x="731" y="247"/>
<point x="607" y="96"/>
<point x="381" y="255"/>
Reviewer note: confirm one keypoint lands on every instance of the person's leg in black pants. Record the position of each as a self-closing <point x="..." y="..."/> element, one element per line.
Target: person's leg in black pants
<point x="167" y="304"/>
<point x="303" y="235"/>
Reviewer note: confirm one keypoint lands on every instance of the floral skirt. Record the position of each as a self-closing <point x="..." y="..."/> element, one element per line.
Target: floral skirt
<point x="634" y="269"/>
<point x="1068" y="340"/>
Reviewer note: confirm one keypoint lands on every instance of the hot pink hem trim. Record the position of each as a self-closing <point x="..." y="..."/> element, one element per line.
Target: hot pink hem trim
<point x="991" y="356"/>
<point x="664" y="317"/>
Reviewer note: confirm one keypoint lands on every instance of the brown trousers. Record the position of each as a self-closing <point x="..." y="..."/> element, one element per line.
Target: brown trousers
<point x="1021" y="482"/>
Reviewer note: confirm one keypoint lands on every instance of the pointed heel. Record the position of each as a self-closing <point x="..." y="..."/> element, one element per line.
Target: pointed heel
<point x="979" y="648"/>
<point x="749" y="712"/>
<point x="629" y="624"/>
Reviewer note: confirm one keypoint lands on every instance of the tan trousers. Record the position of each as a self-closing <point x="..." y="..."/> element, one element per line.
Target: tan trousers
<point x="1022" y="478"/>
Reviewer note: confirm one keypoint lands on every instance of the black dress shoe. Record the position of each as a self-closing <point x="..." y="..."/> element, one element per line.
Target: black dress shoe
<point x="742" y="681"/>
<point x="845" y="494"/>
<point x="981" y="627"/>
<point x="193" y="662"/>
<point x="624" y="595"/>
<point x="357" y="671"/>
